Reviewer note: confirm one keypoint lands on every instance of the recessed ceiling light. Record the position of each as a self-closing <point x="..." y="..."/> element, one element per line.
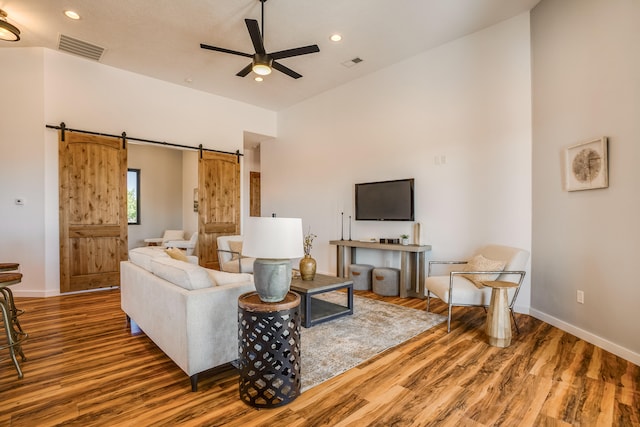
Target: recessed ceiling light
<point x="188" y="80"/>
<point x="71" y="14"/>
<point x="258" y="79"/>
<point x="335" y="37"/>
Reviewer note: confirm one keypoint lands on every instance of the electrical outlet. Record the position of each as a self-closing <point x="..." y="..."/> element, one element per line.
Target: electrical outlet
<point x="439" y="160"/>
<point x="580" y="297"/>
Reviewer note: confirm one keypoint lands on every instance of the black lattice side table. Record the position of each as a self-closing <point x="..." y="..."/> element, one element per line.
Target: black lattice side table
<point x="269" y="349"/>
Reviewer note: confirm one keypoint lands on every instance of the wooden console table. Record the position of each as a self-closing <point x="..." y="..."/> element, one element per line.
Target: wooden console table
<point x="412" y="263"/>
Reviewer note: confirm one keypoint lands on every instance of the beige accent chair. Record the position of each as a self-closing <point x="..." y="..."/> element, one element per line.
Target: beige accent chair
<point x="462" y="287"/>
<point x="168" y="235"/>
<point x="230" y="255"/>
<point x="188" y="245"/>
<point x="172" y="235"/>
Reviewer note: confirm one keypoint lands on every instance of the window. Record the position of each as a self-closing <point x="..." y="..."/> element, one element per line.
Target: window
<point x="133" y="196"/>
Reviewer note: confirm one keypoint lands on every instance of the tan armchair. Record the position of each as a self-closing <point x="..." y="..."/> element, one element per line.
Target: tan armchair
<point x="462" y="287"/>
<point x="230" y="255"/>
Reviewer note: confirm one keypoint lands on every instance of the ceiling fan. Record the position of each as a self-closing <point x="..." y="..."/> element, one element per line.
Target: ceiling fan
<point x="262" y="62"/>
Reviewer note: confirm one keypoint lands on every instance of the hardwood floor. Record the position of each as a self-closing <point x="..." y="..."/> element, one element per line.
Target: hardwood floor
<point x="86" y="368"/>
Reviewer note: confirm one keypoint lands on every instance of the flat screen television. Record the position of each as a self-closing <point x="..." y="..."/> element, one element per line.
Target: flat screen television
<point x="385" y="200"/>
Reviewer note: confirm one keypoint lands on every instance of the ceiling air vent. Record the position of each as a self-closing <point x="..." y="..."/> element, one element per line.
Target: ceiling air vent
<point x="350" y="63"/>
<point x="80" y="48"/>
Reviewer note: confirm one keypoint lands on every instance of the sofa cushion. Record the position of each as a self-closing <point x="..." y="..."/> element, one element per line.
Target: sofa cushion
<point x="222" y="278"/>
<point x="234" y="266"/>
<point x="142" y="256"/>
<point x="186" y="275"/>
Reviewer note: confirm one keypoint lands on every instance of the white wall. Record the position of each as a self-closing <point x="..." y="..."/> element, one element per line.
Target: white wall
<point x="49" y="87"/>
<point x="161" y="191"/>
<point x="469" y="101"/>
<point x="22" y="163"/>
<point x="586" y="85"/>
<point x="189" y="183"/>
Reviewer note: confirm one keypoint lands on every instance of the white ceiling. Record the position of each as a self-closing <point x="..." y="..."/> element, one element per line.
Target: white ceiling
<point x="161" y="38"/>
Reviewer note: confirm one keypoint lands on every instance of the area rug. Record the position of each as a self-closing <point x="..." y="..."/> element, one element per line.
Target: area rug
<point x="331" y="348"/>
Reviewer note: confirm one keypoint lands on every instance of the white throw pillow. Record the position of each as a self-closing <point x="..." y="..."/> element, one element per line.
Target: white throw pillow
<point x="480" y="263"/>
<point x="180" y="273"/>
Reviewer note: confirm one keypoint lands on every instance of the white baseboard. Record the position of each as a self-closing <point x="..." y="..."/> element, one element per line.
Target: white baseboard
<point x="26" y="293"/>
<point x="522" y="309"/>
<point x="589" y="337"/>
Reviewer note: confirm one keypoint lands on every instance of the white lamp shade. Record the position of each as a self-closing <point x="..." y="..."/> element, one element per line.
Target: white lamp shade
<point x="273" y="238"/>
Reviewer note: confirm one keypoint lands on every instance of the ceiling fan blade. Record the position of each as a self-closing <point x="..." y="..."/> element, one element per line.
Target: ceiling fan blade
<point x="288" y="71"/>
<point x="256" y="38"/>
<point x="295" y="52"/>
<point x="223" y="50"/>
<point x="246" y="70"/>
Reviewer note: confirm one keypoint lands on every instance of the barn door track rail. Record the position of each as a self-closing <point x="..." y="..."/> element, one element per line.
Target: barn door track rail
<point x="63" y="128"/>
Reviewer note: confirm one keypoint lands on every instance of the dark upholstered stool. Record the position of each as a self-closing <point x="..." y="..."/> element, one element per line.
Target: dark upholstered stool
<point x="13" y="330"/>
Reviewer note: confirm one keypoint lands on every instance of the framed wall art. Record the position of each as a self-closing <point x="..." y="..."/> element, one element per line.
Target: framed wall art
<point x="587" y="165"/>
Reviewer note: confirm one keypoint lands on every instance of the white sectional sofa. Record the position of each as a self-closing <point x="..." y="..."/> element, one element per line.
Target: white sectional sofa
<point x="188" y="311"/>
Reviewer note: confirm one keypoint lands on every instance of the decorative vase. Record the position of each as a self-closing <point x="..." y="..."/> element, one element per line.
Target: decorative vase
<point x="416" y="234"/>
<point x="307" y="267"/>
<point x="272" y="278"/>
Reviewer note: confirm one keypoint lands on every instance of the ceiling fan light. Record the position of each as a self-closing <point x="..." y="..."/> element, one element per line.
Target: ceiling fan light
<point x="261" y="69"/>
<point x="7" y="31"/>
<point x="262" y="64"/>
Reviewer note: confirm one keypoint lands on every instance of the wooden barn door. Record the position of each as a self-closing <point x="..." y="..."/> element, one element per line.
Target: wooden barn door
<point x="219" y="204"/>
<point x="254" y="194"/>
<point x="93" y="210"/>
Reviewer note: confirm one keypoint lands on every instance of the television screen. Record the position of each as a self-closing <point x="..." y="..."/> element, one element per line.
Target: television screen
<point x="385" y="201"/>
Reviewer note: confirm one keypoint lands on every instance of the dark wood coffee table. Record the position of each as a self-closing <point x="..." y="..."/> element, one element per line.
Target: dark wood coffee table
<point x="315" y="310"/>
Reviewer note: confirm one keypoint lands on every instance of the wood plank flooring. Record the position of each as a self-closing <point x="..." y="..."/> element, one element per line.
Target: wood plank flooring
<point x="86" y="368"/>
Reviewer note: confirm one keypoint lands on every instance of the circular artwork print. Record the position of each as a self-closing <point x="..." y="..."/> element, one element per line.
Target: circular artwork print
<point x="586" y="165"/>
